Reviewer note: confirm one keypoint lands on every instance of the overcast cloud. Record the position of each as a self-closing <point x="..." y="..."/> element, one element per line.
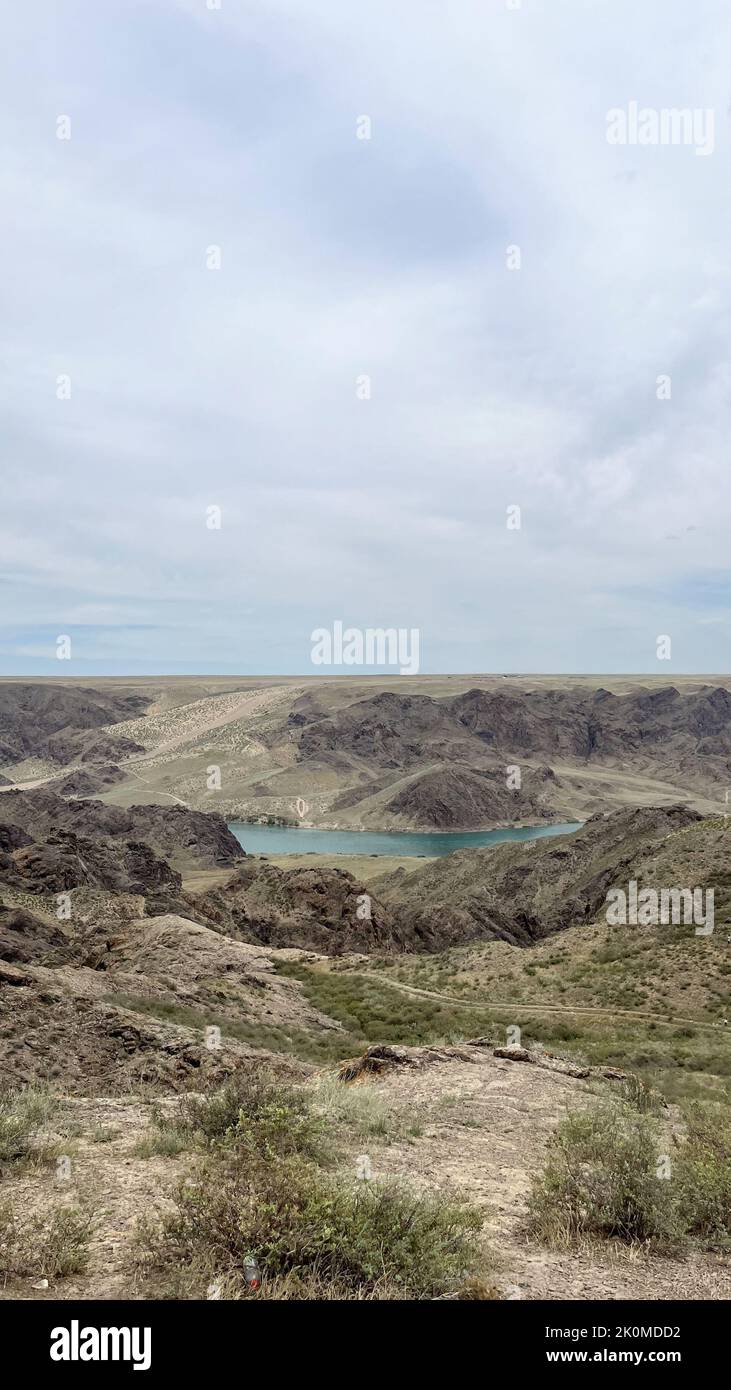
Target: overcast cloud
<point x="340" y="257"/>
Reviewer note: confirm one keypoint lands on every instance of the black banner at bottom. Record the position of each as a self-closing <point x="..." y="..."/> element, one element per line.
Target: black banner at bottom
<point x="155" y="1339"/>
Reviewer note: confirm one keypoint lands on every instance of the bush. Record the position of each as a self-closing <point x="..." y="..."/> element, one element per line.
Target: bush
<point x="600" y="1180"/>
<point x="60" y="1246"/>
<point x="639" y="1093"/>
<point x="361" y="1109"/>
<point x="703" y="1174"/>
<point x="253" y="1113"/>
<point x="46" y="1247"/>
<point x="21" y="1115"/>
<point x="262" y="1192"/>
<point x="361" y="1240"/>
<point x="163" y="1143"/>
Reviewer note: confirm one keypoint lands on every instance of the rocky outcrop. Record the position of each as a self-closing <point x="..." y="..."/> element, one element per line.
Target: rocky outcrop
<point x="109" y="748"/>
<point x="185" y="838"/>
<point x="83" y="783"/>
<point x="86" y="1044"/>
<point x="386" y="731"/>
<point x="25" y="937"/>
<point x="325" y="910"/>
<point x="464" y="744"/>
<point x="12" y="838"/>
<point x="523" y="891"/>
<point x="457" y="798"/>
<point x="64" y="861"/>
<point x="129" y="1004"/>
<point x="43" y="720"/>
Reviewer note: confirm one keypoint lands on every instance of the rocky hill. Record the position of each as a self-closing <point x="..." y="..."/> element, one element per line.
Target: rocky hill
<point x="182" y="836"/>
<point x="51" y="845"/>
<point x="318" y="909"/>
<point x="179" y="965"/>
<point x="57" y="722"/>
<point x="522" y="892"/>
<point x="453" y="797"/>
<point x="442" y="754"/>
<point x="112" y="1011"/>
<point x="518" y="892"/>
<point x="660" y="728"/>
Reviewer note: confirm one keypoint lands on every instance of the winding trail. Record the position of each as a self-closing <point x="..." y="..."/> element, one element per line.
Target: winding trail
<point x="585" y="1009"/>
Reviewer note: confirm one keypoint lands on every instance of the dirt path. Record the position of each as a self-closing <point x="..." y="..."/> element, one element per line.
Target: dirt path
<point x="584" y="1009"/>
<point x="28" y="786"/>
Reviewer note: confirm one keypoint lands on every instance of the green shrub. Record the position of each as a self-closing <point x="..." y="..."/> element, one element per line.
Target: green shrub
<point x="262" y="1191"/>
<point x="48" y="1247"/>
<point x="362" y="1239"/>
<point x="361" y="1109"/>
<point x="162" y="1143"/>
<point x="60" y="1246"/>
<point x="21" y="1115"/>
<point x="601" y="1180"/>
<point x="639" y="1093"/>
<point x="255" y="1113"/>
<point x="703" y="1175"/>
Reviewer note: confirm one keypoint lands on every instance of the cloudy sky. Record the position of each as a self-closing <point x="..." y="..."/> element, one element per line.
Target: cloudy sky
<point x="341" y="259"/>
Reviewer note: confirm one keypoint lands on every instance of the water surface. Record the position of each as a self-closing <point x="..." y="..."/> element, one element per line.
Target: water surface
<point x="282" y="839"/>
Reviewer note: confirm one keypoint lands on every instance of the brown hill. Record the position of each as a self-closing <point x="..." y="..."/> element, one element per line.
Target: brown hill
<point x="25" y="937"/>
<point x="465" y="743"/>
<point x="52" y="721"/>
<point x="185" y="838"/>
<point x="454" y="798"/>
<point x="80" y="782"/>
<point x="324" y="910"/>
<point x="129" y="1004"/>
<point x="521" y="892"/>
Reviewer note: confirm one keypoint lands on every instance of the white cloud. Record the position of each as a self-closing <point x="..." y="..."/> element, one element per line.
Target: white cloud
<point x="343" y="257"/>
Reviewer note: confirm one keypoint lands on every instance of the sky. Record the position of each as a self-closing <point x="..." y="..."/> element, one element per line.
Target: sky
<point x="216" y="293"/>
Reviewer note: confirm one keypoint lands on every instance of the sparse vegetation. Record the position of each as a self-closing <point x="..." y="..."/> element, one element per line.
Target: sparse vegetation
<point x="325" y="1046"/>
<point x="22" y="1112"/>
<point x="256" y="1114"/>
<point x="606" y="1178"/>
<point x="276" y="1168"/>
<point x="362" y="1110"/>
<point x="638" y="1092"/>
<point x="374" y="1012"/>
<point x="262" y="1192"/>
<point x="45" y="1247"/>
<point x="103" y="1135"/>
<point x="161" y="1143"/>
<point x="601" y="1181"/>
<point x="704" y="1177"/>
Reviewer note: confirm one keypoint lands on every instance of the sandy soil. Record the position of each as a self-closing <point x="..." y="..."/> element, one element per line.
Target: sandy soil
<point x="483" y="1127"/>
<point x="488" y="1126"/>
<point x="108" y="1180"/>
